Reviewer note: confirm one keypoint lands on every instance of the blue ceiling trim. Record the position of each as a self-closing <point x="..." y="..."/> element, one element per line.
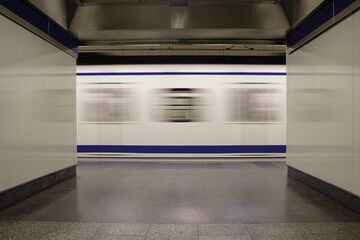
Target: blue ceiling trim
<point x="22" y="10"/>
<point x="61" y="37"/>
<point x="311" y="25"/>
<point x="341" y="5"/>
<point x="328" y="12"/>
<point x="31" y="16"/>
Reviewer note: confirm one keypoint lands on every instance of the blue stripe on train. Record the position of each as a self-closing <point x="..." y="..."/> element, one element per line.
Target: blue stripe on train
<point x="178" y="73"/>
<point x="181" y="149"/>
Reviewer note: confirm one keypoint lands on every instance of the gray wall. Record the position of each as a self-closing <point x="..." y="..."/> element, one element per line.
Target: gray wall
<point x="323" y="131"/>
<point x="297" y="11"/>
<point x="37" y="106"/>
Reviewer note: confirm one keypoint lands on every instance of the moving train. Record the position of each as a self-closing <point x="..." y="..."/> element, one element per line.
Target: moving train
<point x="181" y="111"/>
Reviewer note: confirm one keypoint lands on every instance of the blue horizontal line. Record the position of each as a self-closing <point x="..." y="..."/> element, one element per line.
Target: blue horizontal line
<point x="341" y="5"/>
<point x="328" y="12"/>
<point x="181" y="149"/>
<point x="180" y="158"/>
<point x="29" y="15"/>
<point x="178" y="73"/>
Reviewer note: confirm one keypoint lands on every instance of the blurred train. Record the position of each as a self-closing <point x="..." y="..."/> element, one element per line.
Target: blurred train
<point x="186" y="111"/>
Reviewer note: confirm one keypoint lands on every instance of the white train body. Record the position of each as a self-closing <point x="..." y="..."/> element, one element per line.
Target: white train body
<point x="181" y="110"/>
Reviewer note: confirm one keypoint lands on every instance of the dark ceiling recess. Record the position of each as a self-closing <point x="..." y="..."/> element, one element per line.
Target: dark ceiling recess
<point x="178" y="3"/>
<point x="108" y="27"/>
<point x="297" y="11"/>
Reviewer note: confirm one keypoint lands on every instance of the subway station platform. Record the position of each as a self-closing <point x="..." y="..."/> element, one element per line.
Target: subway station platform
<point x="180" y="79"/>
<point x="179" y="200"/>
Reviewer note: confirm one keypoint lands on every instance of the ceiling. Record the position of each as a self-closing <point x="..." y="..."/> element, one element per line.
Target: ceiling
<point x="178" y="27"/>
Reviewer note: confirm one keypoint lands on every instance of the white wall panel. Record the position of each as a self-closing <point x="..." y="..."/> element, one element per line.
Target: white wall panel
<point x="333" y="105"/>
<point x="299" y="111"/>
<point x="59" y="109"/>
<point x="322" y="98"/>
<point x="33" y="142"/>
<point x="356" y="148"/>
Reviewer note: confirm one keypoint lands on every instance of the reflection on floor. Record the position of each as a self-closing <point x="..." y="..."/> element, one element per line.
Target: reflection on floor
<point x="179" y="200"/>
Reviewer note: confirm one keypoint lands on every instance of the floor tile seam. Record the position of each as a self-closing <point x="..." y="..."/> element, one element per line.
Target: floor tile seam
<point x="94" y="236"/>
<point x="98" y="230"/>
<point x="147" y="232"/>
<point x="197" y="231"/>
<point x="249" y="232"/>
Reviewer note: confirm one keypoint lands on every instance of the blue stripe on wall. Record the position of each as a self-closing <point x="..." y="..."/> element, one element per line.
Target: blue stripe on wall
<point x="29" y="15"/>
<point x="62" y="38"/>
<point x="38" y="21"/>
<point x="181" y="149"/>
<point x="178" y="73"/>
<point x="311" y="25"/>
<point x="329" y="11"/>
<point x="340" y="5"/>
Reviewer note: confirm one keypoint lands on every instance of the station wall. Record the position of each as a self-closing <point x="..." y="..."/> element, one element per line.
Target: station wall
<point x="323" y="99"/>
<point x="37" y="107"/>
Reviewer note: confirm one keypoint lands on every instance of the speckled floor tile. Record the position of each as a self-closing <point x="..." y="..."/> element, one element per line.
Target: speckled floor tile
<point x="222" y="230"/>
<point x="286" y="236"/>
<point x="246" y="237"/>
<point x="274" y="231"/>
<point x="320" y="228"/>
<point x="353" y="227"/>
<point x="172" y="231"/>
<point x="272" y="228"/>
<point x="4" y="224"/>
<point x="342" y="236"/>
<point x="27" y="230"/>
<point x="113" y="237"/>
<point x="13" y="230"/>
<point x="73" y="231"/>
<point x="124" y="229"/>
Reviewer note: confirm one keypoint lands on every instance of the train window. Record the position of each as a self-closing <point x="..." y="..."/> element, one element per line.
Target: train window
<point x="255" y="105"/>
<point x="108" y="105"/>
<point x="181" y="105"/>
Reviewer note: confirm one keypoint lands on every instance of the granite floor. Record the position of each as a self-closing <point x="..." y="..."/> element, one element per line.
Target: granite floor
<point x="109" y="231"/>
<point x="179" y="200"/>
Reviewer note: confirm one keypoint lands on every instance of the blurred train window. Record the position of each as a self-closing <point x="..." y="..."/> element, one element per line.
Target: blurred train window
<point x="255" y="105"/>
<point x="108" y="105"/>
<point x="181" y="105"/>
